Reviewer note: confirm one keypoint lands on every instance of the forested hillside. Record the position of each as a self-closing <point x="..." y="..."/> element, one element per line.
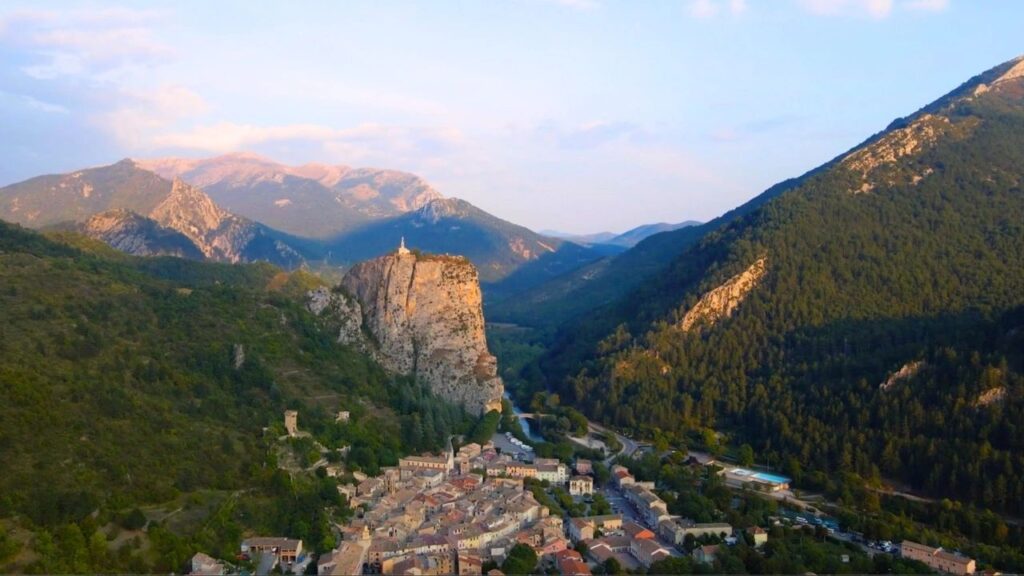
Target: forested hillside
<point x="131" y="383"/>
<point x="575" y="293"/>
<point x="907" y="249"/>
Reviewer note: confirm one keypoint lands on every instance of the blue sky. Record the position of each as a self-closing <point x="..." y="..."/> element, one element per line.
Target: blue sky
<point x="578" y="115"/>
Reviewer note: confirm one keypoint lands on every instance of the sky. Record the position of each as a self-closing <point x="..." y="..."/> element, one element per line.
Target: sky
<point x="573" y="115"/>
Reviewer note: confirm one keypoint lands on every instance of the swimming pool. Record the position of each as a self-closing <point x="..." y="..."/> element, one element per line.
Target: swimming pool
<point x="773" y="478"/>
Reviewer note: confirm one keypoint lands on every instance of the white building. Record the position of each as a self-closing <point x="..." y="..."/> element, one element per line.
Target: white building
<point x="581" y="485"/>
<point x="552" y="470"/>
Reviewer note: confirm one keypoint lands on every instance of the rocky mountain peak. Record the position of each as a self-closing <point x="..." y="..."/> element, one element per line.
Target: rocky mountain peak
<point x="1015" y="71"/>
<point x="426" y="317"/>
<point x="189" y="210"/>
<point x="436" y="209"/>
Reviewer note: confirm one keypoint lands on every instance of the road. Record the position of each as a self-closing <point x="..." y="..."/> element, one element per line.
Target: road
<point x="619" y="503"/>
<point x="629" y="446"/>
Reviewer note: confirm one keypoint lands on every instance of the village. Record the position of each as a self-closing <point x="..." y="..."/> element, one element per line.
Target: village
<point x="468" y="510"/>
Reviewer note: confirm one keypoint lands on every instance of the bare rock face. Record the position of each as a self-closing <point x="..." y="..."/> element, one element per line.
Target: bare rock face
<point x="991" y="396"/>
<point x="906" y="372"/>
<point x="426" y="317"/>
<point x="128" y="232"/>
<point x="902" y="143"/>
<point x="722" y="301"/>
<point x="219" y="234"/>
<point x="344" y="310"/>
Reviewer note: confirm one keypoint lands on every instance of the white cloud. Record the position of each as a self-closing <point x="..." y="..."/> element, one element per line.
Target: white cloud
<point x="81" y="42"/>
<point x="928" y="5"/>
<point x="704" y="9"/>
<point x="873" y="8"/>
<point x="737" y="6"/>
<point x="878" y="9"/>
<point x="140" y="115"/>
<point x="366" y="142"/>
<point x="576" y="4"/>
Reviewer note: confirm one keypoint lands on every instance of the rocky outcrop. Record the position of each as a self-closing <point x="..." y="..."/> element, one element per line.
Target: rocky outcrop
<point x="906" y="372"/>
<point x="722" y="301"/>
<point x="1015" y="72"/>
<point x="990" y="396"/>
<point x="345" y="312"/>
<point x="220" y="235"/>
<point x="134" y="234"/>
<point x="910" y="140"/>
<point x="424" y="317"/>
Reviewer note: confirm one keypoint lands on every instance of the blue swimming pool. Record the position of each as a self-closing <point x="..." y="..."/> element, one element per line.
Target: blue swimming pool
<point x="771" y="478"/>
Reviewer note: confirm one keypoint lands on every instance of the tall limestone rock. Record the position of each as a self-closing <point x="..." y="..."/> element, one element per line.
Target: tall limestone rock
<point x="425" y="317"/>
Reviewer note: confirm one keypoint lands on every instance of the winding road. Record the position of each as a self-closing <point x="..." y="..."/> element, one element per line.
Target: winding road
<point x="629" y="446"/>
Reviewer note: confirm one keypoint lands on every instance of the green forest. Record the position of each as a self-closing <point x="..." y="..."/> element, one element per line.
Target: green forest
<point x="920" y="271"/>
<point x="133" y="383"/>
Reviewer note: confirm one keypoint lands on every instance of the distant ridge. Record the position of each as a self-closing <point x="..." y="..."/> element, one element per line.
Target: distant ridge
<point x="627" y="239"/>
<point x="311" y="200"/>
<point x="141" y="213"/>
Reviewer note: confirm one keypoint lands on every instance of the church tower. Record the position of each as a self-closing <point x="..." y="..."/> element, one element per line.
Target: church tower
<point x="402" y="250"/>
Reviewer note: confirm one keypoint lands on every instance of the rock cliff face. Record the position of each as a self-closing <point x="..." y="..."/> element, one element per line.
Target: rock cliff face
<point x="220" y="235"/>
<point x="906" y="372"/>
<point x="892" y="159"/>
<point x="425" y="317"/>
<point x="991" y="396"/>
<point x="129" y="232"/>
<point x="345" y="311"/>
<point x="722" y="301"/>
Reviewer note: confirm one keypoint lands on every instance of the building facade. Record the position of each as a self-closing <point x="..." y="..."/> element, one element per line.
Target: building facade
<point x="581" y="485"/>
<point x="937" y="558"/>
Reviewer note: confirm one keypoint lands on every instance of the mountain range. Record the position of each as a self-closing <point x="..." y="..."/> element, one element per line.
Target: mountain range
<point x="859" y="325"/>
<point x="244" y="208"/>
<point x="312" y="200"/>
<point x="627" y="239"/>
<point x="142" y="213"/>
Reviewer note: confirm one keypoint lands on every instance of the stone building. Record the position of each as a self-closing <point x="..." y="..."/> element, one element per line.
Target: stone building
<point x="937" y="558"/>
<point x="581" y="485"/>
<point x="291" y="422"/>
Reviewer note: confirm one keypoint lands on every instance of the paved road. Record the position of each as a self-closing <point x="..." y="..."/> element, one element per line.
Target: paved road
<point x="619" y="504"/>
<point x="844" y="537"/>
<point x="629" y="446"/>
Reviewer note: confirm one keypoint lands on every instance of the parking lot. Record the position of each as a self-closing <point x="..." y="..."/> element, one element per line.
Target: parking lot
<point x="507" y="447"/>
<point x="835" y="531"/>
